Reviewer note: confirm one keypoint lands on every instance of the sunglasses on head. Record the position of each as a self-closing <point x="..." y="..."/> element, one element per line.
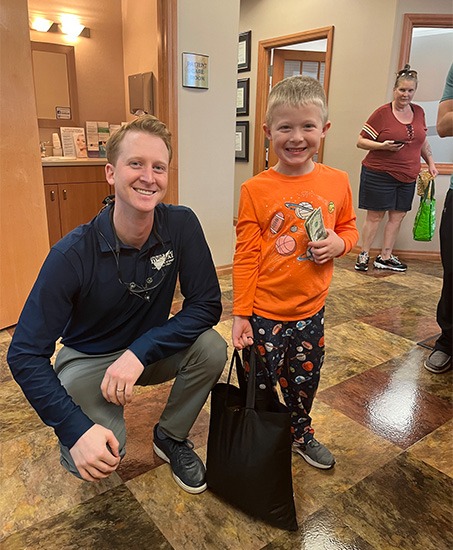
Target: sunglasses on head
<point x="408" y="72"/>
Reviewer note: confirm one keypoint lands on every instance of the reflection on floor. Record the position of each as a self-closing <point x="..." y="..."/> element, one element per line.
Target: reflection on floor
<point x="388" y="421"/>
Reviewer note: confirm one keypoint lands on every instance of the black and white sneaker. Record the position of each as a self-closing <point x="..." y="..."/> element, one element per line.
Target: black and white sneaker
<point x="392" y="263"/>
<point x="188" y="469"/>
<point x="362" y="262"/>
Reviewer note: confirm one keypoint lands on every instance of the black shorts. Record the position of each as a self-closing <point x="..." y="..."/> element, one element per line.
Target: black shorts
<point x="381" y="191"/>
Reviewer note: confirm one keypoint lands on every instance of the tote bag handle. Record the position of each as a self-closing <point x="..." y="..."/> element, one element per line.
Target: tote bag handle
<point x="250" y="383"/>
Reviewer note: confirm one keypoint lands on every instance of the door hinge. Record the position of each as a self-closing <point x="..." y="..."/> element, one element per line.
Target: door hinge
<point x="270" y="70"/>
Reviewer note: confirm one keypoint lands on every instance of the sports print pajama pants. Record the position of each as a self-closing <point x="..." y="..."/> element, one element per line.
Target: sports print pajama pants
<point x="293" y="352"/>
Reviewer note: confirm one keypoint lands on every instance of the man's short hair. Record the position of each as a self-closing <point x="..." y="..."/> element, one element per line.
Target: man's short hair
<point x="297" y="91"/>
<point x="147" y="124"/>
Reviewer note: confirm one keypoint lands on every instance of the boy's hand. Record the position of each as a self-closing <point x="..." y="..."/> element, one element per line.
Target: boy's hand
<point x="327" y="249"/>
<point x="96" y="453"/>
<point x="242" y="333"/>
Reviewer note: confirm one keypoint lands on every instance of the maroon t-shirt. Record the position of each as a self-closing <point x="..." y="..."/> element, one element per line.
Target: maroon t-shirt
<point x="403" y="165"/>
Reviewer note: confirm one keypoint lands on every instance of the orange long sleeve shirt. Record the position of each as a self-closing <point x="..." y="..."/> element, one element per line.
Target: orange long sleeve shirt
<point x="273" y="275"/>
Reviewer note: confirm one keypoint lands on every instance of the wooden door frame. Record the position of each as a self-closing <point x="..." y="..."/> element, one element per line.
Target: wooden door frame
<point x="167" y="83"/>
<point x="262" y="88"/>
<point x="411" y="20"/>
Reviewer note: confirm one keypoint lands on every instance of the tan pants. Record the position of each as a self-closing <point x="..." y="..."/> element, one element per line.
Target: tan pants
<point x="195" y="370"/>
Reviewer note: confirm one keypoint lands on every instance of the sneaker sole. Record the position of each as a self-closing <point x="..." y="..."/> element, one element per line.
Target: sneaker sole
<point x="312" y="462"/>
<point x="380" y="266"/>
<point x="361" y="268"/>
<point x="187" y="488"/>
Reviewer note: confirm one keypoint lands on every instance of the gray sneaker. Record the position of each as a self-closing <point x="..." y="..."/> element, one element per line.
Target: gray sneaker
<point x="188" y="469"/>
<point x="438" y="362"/>
<point x="315" y="453"/>
<point x="362" y="262"/>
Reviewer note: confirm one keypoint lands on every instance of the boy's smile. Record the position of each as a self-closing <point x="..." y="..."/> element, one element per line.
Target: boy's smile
<point x="296" y="134"/>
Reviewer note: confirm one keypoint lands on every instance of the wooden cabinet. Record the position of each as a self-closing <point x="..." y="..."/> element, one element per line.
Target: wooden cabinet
<point x="74" y="195"/>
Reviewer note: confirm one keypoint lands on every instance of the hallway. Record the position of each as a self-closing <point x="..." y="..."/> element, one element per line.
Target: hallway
<point x="387" y="420"/>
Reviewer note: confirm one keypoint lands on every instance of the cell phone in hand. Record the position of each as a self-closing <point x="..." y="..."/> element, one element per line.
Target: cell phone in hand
<point x="398" y="142"/>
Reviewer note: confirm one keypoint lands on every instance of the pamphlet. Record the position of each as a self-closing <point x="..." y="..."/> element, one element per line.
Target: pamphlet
<point x="92" y="139"/>
<point x="103" y="136"/>
<point x="70" y="136"/>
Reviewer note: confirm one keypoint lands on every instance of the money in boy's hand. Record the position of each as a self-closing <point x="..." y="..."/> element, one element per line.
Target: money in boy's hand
<point x="314" y="226"/>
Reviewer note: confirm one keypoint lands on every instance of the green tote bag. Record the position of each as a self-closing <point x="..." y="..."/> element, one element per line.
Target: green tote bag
<point x="425" y="219"/>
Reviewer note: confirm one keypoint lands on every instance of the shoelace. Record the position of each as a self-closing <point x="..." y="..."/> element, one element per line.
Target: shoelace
<point x="184" y="449"/>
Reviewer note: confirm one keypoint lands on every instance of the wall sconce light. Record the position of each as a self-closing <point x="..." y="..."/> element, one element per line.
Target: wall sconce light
<point x="41" y="24"/>
<point x="70" y="25"/>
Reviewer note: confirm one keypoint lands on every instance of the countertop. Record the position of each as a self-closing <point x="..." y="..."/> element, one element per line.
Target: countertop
<point x="73" y="161"/>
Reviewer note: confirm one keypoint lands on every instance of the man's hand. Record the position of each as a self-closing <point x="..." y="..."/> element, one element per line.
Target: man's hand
<point x="119" y="379"/>
<point x="242" y="332"/>
<point x="92" y="457"/>
<point x="327" y="249"/>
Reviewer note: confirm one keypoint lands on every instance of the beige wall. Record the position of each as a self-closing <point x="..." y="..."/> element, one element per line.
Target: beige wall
<point x="366" y="47"/>
<point x="206" y="119"/>
<point x="139" y="41"/>
<point x="23" y="222"/>
<point x="99" y="59"/>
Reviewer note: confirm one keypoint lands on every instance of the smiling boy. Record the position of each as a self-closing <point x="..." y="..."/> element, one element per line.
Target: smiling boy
<point x="281" y="278"/>
<point x="106" y="289"/>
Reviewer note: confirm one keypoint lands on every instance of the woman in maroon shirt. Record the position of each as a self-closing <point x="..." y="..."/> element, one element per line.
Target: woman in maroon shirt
<point x="395" y="138"/>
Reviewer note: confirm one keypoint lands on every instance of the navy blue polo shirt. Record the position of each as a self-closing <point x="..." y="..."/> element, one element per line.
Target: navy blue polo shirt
<point x="79" y="297"/>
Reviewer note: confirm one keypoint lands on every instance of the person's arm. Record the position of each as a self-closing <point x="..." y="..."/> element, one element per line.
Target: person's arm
<point x="343" y="237"/>
<point x="445" y="118"/>
<point x="199" y="285"/>
<point x="370" y="145"/>
<point x="427" y="155"/>
<point x="45" y="314"/>
<point x="370" y="135"/>
<point x="247" y="256"/>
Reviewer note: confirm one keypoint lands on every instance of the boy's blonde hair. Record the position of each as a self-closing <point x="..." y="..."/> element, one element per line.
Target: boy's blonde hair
<point x="147" y="124"/>
<point x="297" y="91"/>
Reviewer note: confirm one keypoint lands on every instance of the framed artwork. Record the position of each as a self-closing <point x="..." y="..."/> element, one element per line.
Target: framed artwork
<point x="242" y="141"/>
<point x="244" y="51"/>
<point x="242" y="99"/>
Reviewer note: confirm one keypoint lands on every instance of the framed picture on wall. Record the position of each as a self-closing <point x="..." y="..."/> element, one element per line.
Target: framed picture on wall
<point x="244" y="51"/>
<point x="242" y="141"/>
<point x="242" y="100"/>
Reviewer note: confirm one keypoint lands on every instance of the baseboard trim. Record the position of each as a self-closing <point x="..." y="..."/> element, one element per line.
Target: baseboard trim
<point x="405" y="254"/>
<point x="224" y="270"/>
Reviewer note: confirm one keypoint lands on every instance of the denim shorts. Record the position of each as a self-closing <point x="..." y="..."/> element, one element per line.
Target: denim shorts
<point x="381" y="191"/>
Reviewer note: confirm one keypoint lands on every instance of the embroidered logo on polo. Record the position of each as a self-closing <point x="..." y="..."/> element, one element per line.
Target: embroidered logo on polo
<point x="162" y="260"/>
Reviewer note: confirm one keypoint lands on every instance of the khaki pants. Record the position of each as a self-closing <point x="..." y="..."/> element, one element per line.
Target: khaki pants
<point x="195" y="370"/>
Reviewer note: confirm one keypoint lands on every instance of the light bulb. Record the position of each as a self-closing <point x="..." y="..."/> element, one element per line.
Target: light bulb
<point x="70" y="25"/>
<point x="41" y="24"/>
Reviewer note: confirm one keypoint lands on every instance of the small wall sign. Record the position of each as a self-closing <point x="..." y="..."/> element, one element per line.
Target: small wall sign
<point x="195" y="70"/>
<point x="63" y="113"/>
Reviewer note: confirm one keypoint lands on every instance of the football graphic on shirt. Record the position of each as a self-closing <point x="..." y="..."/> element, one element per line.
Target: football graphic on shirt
<point x="277" y="222"/>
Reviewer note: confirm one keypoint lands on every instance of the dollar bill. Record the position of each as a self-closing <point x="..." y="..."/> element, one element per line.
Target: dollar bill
<point x="314" y="225"/>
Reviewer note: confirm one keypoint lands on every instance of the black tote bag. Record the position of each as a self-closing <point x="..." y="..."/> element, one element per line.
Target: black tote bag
<point x="248" y="460"/>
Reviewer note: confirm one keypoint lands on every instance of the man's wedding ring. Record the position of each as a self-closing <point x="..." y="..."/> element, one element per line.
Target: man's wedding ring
<point x="120" y="390"/>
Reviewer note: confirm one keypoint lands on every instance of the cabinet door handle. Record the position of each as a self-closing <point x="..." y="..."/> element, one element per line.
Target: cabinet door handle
<point x="65" y="194"/>
<point x="52" y="195"/>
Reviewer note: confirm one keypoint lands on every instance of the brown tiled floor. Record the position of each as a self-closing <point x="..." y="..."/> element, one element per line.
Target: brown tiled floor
<point x="387" y="420"/>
